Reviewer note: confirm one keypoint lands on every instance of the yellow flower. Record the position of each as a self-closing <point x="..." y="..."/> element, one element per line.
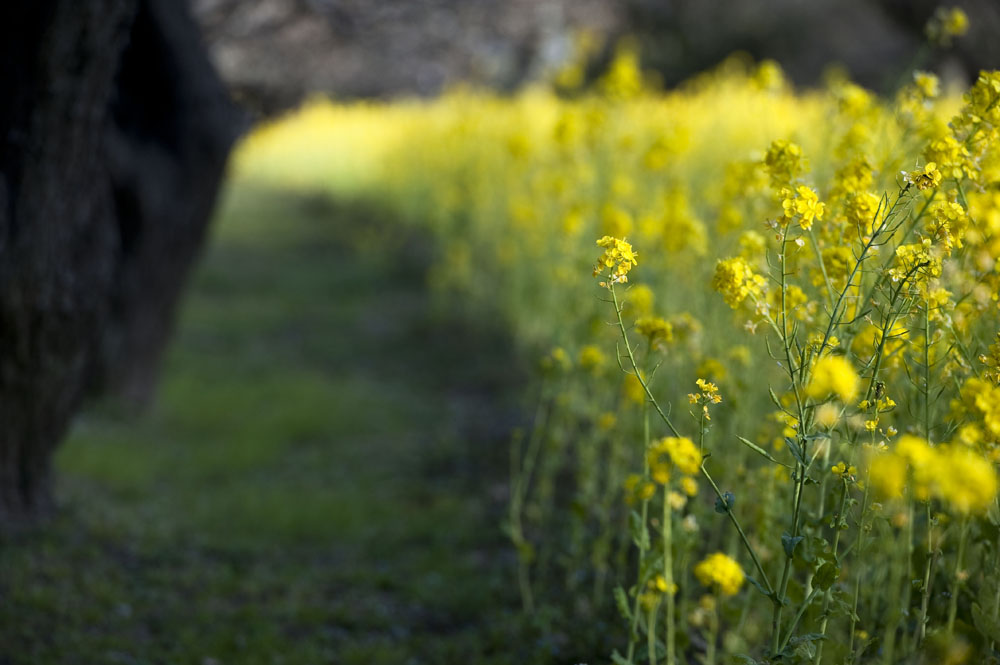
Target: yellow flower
<point x="720" y="572"/>
<point x="592" y="358"/>
<point x="689" y="485"/>
<point x="783" y="162"/>
<point x="557" y="361"/>
<point x="925" y="178"/>
<point x="946" y="23"/>
<point x="833" y="375"/>
<point x="607" y="421"/>
<point x="638" y="490"/>
<point x="927" y="83"/>
<point x="736" y="281"/>
<point x="843" y="470"/>
<point x="803" y="204"/>
<point x="966" y="481"/>
<point x="618" y="256"/>
<point x="658" y="331"/>
<point x="639" y="300"/>
<point x="887" y="475"/>
<point x="661" y="584"/>
<point x="671" y="452"/>
<point x="633" y="390"/>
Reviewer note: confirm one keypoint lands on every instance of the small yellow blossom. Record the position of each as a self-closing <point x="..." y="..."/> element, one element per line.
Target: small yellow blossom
<point x="736" y="281"/>
<point x="783" y="162"/>
<point x="632" y="389"/>
<point x="803" y="205"/>
<point x="927" y="83"/>
<point x="671" y="451"/>
<point x="658" y="331"/>
<point x="592" y="358"/>
<point x="638" y="490"/>
<point x="719" y="571"/>
<point x="689" y="486"/>
<point x="926" y="178"/>
<point x="618" y="256"/>
<point x="833" y="375"/>
<point x="947" y="22"/>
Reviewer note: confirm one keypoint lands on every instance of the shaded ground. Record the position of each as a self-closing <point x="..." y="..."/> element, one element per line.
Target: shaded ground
<point x="319" y="481"/>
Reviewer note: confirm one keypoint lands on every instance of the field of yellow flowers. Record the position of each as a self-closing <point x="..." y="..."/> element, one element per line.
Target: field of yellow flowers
<point x="767" y="408"/>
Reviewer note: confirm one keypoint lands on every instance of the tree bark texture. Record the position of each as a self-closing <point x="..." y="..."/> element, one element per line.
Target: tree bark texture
<point x="114" y="132"/>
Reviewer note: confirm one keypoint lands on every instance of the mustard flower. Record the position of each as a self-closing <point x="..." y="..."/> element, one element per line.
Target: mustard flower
<point x="783" y="162"/>
<point x="947" y="22"/>
<point x="672" y="451"/>
<point x="927" y="83"/>
<point x="833" y="375"/>
<point x="720" y="572"/>
<point x="658" y="331"/>
<point x="592" y="358"/>
<point x="618" y="256"/>
<point x="927" y="177"/>
<point x="966" y="481"/>
<point x="802" y="204"/>
<point x="917" y="262"/>
<point x="736" y="281"/>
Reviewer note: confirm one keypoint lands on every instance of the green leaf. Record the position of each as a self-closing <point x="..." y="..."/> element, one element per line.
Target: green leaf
<point x="640" y="535"/>
<point x="788" y="543"/>
<point x="760" y="587"/>
<point x="618" y="659"/>
<point x="621" y="600"/>
<point x="796" y="450"/>
<point x="760" y="451"/>
<point x="774" y="398"/>
<point x="985" y="624"/>
<point x="825" y="577"/>
<point x="808" y="637"/>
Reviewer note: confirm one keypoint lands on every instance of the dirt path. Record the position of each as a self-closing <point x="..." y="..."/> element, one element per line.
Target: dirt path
<point x="318" y="482"/>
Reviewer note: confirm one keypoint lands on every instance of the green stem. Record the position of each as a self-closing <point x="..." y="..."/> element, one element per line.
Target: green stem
<point x="857" y="580"/>
<point x="651" y="636"/>
<point x="798" y="617"/>
<point x="957" y="577"/>
<point x="926" y="590"/>
<point x="668" y="572"/>
<point x="828" y="596"/>
<point x="643" y="544"/>
<point x="743" y="536"/>
<point x="713" y="632"/>
<point x="635" y="366"/>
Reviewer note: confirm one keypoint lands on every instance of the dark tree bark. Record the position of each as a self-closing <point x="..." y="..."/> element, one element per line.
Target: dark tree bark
<point x="113" y="137"/>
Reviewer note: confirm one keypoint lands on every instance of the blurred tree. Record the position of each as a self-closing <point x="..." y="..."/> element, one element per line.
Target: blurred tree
<point x="115" y="132"/>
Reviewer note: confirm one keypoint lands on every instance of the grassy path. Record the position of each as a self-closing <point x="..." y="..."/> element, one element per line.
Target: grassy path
<point x="317" y="483"/>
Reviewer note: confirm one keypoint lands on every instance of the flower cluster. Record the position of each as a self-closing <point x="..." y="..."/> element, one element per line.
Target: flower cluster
<point x="673" y="452"/>
<point x="953" y="473"/>
<point x="720" y="572"/>
<point x="736" y="281"/>
<point x="618" y="257"/>
<point x="833" y="376"/>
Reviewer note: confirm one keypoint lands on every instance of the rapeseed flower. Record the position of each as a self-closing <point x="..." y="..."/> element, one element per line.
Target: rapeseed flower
<point x="833" y="376"/>
<point x="926" y="177"/>
<point x="618" y="256"/>
<point x="736" y="281"/>
<point x="670" y="452"/>
<point x="720" y="572"/>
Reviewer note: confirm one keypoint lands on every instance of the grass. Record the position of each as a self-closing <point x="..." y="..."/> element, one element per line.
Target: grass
<point x="318" y="481"/>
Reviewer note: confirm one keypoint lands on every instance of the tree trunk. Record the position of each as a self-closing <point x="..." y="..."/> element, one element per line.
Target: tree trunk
<point x="114" y="137"/>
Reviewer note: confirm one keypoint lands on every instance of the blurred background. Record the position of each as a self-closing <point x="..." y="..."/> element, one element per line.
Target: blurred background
<point x="320" y="470"/>
<point x="272" y="53"/>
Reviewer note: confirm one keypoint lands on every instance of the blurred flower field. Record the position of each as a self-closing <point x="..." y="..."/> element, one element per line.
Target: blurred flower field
<point x="766" y="422"/>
